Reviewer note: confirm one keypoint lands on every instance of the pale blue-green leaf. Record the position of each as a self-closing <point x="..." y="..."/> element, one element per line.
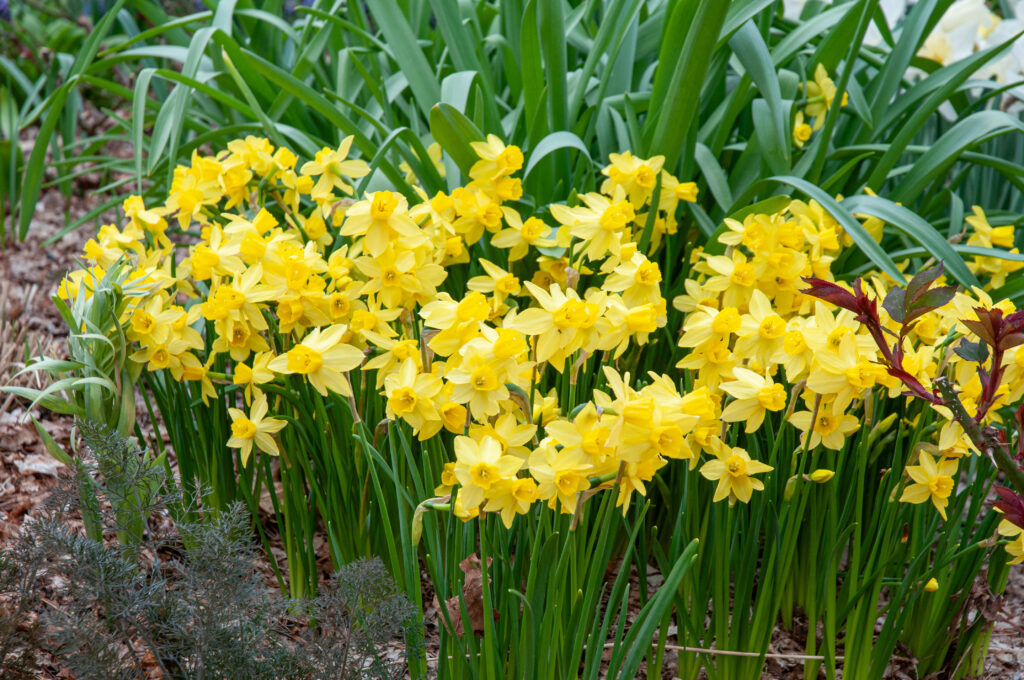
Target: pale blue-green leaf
<point x="551" y="143"/>
<point x="917" y="229"/>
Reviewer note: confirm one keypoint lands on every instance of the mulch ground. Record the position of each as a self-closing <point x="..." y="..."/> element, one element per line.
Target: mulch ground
<point x="29" y="274"/>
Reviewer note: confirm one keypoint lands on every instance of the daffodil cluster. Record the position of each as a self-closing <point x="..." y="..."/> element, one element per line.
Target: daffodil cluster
<point x="278" y="271"/>
<point x="284" y="272"/>
<point x="759" y="345"/>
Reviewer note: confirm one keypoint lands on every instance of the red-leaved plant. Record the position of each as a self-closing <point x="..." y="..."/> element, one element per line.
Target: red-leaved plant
<point x="997" y="332"/>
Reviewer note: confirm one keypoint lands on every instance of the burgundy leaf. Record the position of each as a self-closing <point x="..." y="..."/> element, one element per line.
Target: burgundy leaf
<point x="1015" y="321"/>
<point x="919" y="284"/>
<point x="1010" y="340"/>
<point x="930" y="300"/>
<point x="1011" y="504"/>
<point x="867" y="308"/>
<point x="894" y="304"/>
<point x="913" y="385"/>
<point x="831" y="292"/>
<point x="1018" y="415"/>
<point x="987" y="325"/>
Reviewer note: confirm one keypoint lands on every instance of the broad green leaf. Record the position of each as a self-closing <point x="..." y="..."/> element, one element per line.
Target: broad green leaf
<point x="454" y="132"/>
<point x="913" y="31"/>
<point x="455" y="88"/>
<point x="740" y="13"/>
<point x="551" y="25"/>
<point x="51" y="445"/>
<point x="966" y="134"/>
<point x="618" y="19"/>
<point x="232" y="54"/>
<point x="167" y="128"/>
<point x="917" y="229"/>
<point x="926" y="97"/>
<point x="537" y="125"/>
<point x="550" y="144"/>
<point x="32" y="184"/>
<point x="687" y="44"/>
<point x="771" y="115"/>
<point x="47" y="401"/>
<point x="407" y="53"/>
<point x="652" y="614"/>
<point x="139" y="121"/>
<point x="1011" y="290"/>
<point x="34" y="169"/>
<point x="806" y="31"/>
<point x="713" y="173"/>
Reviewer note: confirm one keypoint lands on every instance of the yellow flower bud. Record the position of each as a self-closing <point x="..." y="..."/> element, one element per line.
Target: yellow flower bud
<point x="931" y="586"/>
<point x="821" y="475"/>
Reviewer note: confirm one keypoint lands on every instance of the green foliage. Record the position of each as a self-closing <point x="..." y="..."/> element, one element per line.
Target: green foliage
<point x="555" y="76"/>
<point x="96" y="381"/>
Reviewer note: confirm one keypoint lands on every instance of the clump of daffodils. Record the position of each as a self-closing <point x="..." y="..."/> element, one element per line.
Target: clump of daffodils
<point x="277" y="272"/>
<point x="819" y="97"/>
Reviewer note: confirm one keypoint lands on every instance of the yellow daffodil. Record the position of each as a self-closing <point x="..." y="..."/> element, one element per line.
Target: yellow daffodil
<point x="635" y="176"/>
<point x="410" y="396"/>
<point x="520" y="235"/>
<point x="322" y="358"/>
<point x="511" y="497"/>
<point x="753" y="395"/>
<point x="932" y="481"/>
<point x="333" y="167"/>
<point x="252" y="376"/>
<point x="507" y="431"/>
<point x="733" y="469"/>
<point x="801" y="130"/>
<point x="254" y="428"/>
<point x="821" y="92"/>
<point x="382" y="219"/>
<point x="496" y="159"/>
<point x="560" y="476"/>
<point x="556" y="323"/>
<point x="830" y="428"/>
<point x="479" y="467"/>
<point x="600" y="222"/>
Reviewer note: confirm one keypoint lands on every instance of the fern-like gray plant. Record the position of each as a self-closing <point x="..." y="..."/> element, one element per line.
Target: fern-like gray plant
<point x="187" y="598"/>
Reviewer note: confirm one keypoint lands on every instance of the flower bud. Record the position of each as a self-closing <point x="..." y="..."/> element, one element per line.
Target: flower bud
<point x="790" y="487"/>
<point x="821" y="475"/>
<point x="931" y="586"/>
<point x="881" y="428"/>
<point x="416" y="529"/>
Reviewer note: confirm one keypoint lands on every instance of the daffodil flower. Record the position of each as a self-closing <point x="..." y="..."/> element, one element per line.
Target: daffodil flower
<point x="932" y="481"/>
<point x="753" y="395"/>
<point x="733" y="469"/>
<point x="254" y="428"/>
<point x="322" y="358"/>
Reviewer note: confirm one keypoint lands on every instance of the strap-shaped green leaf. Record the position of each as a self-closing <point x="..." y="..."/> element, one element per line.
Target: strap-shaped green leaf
<point x="967" y="133"/>
<point x="687" y="46"/>
<point x="406" y="50"/>
<point x="550" y="144"/>
<point x="454" y="132"/>
<point x="916" y="228"/>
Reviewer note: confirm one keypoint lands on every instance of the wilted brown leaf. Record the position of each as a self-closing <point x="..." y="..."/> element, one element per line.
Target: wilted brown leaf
<point x="473" y="594"/>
